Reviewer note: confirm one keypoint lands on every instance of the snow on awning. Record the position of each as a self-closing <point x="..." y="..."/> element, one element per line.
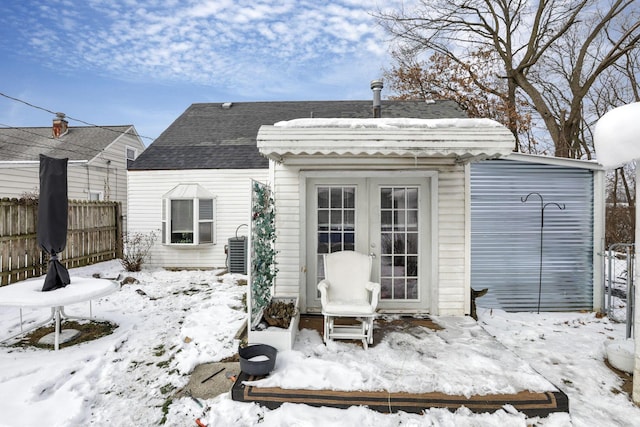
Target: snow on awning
<point x="462" y="139"/>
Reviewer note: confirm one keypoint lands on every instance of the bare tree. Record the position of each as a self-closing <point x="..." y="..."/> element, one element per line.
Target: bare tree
<point x="619" y="85"/>
<point x="554" y="51"/>
<point x="473" y="85"/>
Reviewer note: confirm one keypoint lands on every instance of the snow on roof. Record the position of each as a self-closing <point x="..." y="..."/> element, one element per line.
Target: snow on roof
<point x="387" y="123"/>
<point x="617" y="136"/>
<point x="459" y="138"/>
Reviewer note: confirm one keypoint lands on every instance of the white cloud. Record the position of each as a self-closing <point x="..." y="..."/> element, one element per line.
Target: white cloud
<point x="208" y="42"/>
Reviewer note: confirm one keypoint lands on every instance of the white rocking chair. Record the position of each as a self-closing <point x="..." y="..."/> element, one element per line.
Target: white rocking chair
<point x="347" y="291"/>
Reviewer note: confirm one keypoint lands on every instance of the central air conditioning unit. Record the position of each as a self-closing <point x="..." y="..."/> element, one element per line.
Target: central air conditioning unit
<point x="237" y="252"/>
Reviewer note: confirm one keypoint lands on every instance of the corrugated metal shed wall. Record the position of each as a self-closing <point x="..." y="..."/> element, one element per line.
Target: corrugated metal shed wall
<point x="505" y="236"/>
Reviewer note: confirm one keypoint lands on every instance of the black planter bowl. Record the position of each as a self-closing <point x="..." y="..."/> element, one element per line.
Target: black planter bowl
<point x="258" y="368"/>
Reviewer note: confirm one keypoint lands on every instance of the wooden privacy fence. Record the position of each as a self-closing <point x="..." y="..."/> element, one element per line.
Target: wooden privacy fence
<point x="94" y="235"/>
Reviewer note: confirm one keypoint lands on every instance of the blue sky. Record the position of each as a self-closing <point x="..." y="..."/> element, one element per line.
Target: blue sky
<point x="143" y="62"/>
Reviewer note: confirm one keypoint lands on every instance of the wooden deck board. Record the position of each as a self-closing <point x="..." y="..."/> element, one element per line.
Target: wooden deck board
<point x="530" y="403"/>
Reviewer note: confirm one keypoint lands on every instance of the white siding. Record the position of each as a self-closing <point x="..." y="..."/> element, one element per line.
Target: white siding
<point x="20" y="178"/>
<point x="450" y="283"/>
<point x="453" y="241"/>
<point x="291" y="278"/>
<point x="231" y="187"/>
<point x="110" y="166"/>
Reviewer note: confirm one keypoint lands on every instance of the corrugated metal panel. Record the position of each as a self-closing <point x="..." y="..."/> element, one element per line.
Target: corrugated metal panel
<point x="505" y="236"/>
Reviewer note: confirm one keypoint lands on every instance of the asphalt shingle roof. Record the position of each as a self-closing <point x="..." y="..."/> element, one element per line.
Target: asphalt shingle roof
<point x="223" y="136"/>
<point x="79" y="143"/>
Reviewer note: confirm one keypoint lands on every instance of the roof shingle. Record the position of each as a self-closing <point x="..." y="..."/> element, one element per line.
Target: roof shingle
<point x="79" y="143"/>
<point x="223" y="136"/>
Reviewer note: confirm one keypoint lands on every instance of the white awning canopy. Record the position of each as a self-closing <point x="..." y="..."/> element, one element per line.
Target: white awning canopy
<point x="462" y="139"/>
<point x="188" y="191"/>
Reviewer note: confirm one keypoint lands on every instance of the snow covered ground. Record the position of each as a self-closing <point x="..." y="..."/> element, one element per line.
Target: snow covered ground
<point x="170" y="322"/>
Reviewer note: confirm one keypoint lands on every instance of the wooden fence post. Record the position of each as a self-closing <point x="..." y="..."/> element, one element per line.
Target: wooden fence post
<point x="119" y="231"/>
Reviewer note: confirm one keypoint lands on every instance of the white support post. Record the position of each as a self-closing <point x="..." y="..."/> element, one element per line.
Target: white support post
<point x="57" y="329"/>
<point x="636" y="314"/>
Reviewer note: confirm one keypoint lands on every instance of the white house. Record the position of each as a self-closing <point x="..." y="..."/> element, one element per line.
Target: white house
<point x="98" y="157"/>
<point x="192" y="184"/>
<point x="192" y="187"/>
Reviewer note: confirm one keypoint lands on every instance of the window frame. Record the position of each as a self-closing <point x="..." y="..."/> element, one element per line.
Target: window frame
<point x="126" y="153"/>
<point x="196" y="221"/>
<point x="100" y="195"/>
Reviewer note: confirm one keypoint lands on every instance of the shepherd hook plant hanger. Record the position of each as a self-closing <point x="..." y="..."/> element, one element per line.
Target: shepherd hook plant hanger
<point x="543" y="206"/>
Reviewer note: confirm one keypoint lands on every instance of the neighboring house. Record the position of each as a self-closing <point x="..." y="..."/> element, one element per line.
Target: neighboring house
<point x="192" y="184"/>
<point x="98" y="157"/>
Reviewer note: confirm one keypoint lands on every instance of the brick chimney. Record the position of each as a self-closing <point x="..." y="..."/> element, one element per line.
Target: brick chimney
<point x="60" y="125"/>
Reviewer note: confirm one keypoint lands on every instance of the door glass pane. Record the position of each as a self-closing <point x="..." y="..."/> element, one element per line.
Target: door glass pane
<point x="399" y="244"/>
<point x="323" y="219"/>
<point x="349" y="220"/>
<point x="399" y="234"/>
<point x="412" y="243"/>
<point x="336" y="221"/>
<point x="349" y="197"/>
<point x="385" y="288"/>
<point x="336" y="197"/>
<point x="398" y="198"/>
<point x="412" y="288"/>
<point x="349" y="241"/>
<point x="386" y="242"/>
<point x="386" y="199"/>
<point x="412" y="220"/>
<point x="412" y="198"/>
<point x="399" y="289"/>
<point x="323" y="198"/>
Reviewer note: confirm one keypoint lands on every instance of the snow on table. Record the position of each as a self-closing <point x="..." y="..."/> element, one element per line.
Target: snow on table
<point x="29" y="293"/>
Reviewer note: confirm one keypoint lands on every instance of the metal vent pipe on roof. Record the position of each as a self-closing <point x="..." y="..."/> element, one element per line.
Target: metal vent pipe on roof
<point x="376" y="87"/>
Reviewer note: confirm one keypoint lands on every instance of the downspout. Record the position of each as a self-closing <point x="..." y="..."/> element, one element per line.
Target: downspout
<point x="88" y="183"/>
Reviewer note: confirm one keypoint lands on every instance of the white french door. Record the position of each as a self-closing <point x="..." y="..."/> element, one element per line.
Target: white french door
<point x="389" y="218"/>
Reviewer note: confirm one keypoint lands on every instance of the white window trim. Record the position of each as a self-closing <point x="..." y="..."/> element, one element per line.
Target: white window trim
<point x="126" y="152"/>
<point x="99" y="193"/>
<point x="166" y="220"/>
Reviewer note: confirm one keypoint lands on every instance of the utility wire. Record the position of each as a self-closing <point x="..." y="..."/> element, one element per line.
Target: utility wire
<point x="68" y="117"/>
<point x="35" y="144"/>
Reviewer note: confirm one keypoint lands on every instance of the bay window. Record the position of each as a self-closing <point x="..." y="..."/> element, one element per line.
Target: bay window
<point x="188" y="216"/>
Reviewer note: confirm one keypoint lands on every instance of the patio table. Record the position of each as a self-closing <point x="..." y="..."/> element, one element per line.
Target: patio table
<point x="29" y="294"/>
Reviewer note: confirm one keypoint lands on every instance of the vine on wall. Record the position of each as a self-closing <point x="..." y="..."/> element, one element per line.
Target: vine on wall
<point x="263" y="253"/>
